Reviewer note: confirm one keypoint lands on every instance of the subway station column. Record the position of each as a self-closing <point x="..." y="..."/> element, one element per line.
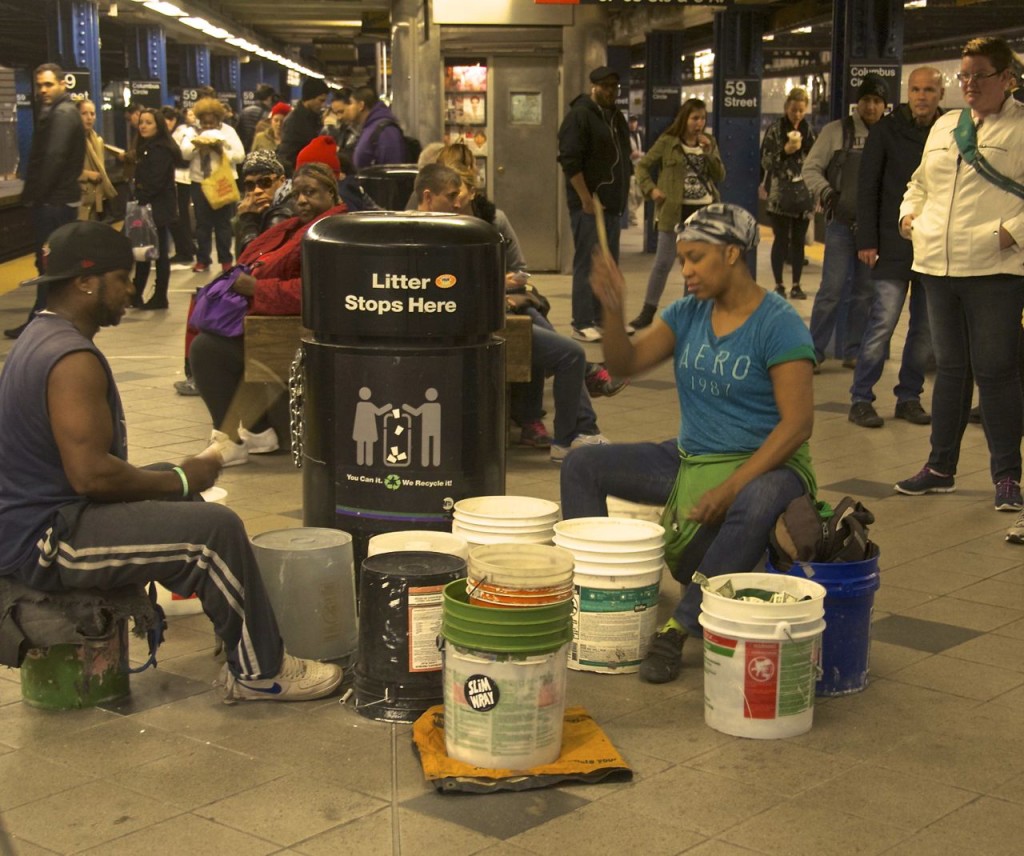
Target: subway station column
<point x="663" y="61"/>
<point x="75" y="39"/>
<point x="227" y="80"/>
<point x="148" y="65"/>
<point x="867" y="37"/>
<point x="739" y="67"/>
<point x="195" y="67"/>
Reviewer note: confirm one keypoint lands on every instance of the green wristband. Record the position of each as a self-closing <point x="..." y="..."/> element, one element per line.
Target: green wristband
<point x="184" y="480"/>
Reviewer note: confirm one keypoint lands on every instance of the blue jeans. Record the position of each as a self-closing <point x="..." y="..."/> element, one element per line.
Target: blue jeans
<point x="890" y="295"/>
<point x="558" y="355"/>
<point x="211" y="222"/>
<point x="586" y="310"/>
<point x="976" y="330"/>
<point x="646" y="472"/>
<point x="843" y="301"/>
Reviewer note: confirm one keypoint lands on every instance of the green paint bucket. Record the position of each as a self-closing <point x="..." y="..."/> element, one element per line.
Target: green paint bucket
<point x="69" y="677"/>
<point x="504" y="681"/>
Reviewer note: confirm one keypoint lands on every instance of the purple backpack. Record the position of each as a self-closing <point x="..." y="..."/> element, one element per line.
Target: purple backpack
<point x="218" y="309"/>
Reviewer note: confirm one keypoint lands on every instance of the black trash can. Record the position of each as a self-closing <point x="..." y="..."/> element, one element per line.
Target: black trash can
<point x="404" y="379"/>
<point x="390" y="184"/>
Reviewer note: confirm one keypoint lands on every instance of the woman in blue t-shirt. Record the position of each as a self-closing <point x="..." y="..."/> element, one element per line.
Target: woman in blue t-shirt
<point x="743" y="368"/>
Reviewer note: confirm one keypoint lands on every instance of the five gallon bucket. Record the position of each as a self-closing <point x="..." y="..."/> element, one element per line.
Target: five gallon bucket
<point x="849" y="602"/>
<point x="418" y="541"/>
<point x="308" y="575"/>
<point x="400" y="604"/>
<point x="761" y="659"/>
<point x="504" y="681"/>
<point x="519" y="575"/>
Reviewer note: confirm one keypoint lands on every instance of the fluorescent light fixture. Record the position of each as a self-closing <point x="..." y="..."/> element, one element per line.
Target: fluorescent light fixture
<point x="164" y="8"/>
<point x="196" y="23"/>
<point x="800" y="30"/>
<point x="768" y="37"/>
<point x="915" y="4"/>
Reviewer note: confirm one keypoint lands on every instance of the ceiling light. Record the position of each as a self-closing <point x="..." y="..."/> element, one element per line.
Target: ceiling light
<point x="164" y="8"/>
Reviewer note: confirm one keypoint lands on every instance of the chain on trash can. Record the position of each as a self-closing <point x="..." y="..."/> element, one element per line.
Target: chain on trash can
<point x="296" y="378"/>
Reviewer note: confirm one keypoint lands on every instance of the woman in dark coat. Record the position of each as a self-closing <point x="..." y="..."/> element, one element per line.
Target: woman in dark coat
<point x="156" y="157"/>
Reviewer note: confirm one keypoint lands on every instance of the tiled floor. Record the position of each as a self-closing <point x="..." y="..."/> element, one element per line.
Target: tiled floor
<point x="928" y="760"/>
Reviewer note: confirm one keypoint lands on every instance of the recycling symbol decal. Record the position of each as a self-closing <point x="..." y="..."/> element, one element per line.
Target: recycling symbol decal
<point x="392" y="482"/>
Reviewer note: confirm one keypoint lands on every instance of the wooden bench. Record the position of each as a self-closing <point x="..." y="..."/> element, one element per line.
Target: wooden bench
<point x="271" y="342"/>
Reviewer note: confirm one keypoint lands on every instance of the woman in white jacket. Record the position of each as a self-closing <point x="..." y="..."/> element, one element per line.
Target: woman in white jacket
<point x="204" y="151"/>
<point x="964" y="212"/>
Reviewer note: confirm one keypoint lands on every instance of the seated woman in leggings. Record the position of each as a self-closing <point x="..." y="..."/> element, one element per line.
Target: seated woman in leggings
<point x="275" y="288"/>
<point x="743" y="368"/>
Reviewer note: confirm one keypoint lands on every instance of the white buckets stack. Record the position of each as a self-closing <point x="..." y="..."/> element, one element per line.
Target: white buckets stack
<point x="483" y="520"/>
<point x="618" y="566"/>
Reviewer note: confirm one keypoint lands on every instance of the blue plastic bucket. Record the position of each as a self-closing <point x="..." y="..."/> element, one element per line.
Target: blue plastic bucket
<point x="849" y="602"/>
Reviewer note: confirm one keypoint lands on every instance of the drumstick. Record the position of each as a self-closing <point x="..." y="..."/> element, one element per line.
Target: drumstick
<point x="602" y="233"/>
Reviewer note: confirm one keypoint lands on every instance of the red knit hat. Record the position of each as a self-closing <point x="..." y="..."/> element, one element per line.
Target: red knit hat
<point x="321" y="150"/>
<point x="280" y="109"/>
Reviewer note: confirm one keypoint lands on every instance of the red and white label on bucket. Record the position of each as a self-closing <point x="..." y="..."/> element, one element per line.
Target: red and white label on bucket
<point x="426" y="604"/>
<point x="760" y="684"/>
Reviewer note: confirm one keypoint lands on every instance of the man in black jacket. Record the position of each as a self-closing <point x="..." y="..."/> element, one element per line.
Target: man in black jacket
<point x="263" y="99"/>
<point x="891" y="154"/>
<point x="593" y="150"/>
<point x="303" y="123"/>
<point x="51" y="187"/>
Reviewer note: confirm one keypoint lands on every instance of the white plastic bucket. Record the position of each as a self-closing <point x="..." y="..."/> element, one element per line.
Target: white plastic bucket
<point x="761" y="660"/>
<point x="418" y="541"/>
<point x="503" y="711"/>
<point x="614" y="619"/>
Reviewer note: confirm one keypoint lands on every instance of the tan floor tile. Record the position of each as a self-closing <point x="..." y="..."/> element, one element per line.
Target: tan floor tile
<point x="963" y="562"/>
<point x="27" y="848"/>
<point x="1013" y="790"/>
<point x="593" y="831"/>
<point x="959" y="677"/>
<point x="924" y="579"/>
<point x="990" y="826"/>
<point x="953" y="609"/>
<point x="716" y="847"/>
<point x="24" y="726"/>
<point x="995" y="593"/>
<point x="26" y="777"/>
<point x="886" y="659"/>
<point x="1014" y="630"/>
<point x="790" y="767"/>
<point x="85" y="816"/>
<point x="799" y="829"/>
<point x="290" y="809"/>
<point x="893" y="599"/>
<point x="1005" y="652"/>
<point x="877" y="794"/>
<point x="187" y="834"/>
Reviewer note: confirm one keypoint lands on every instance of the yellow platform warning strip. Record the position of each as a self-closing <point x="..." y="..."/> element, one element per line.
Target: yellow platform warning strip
<point x="16" y="271"/>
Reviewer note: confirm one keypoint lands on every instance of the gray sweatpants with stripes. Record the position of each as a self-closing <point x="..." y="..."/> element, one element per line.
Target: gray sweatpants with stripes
<point x="187" y="547"/>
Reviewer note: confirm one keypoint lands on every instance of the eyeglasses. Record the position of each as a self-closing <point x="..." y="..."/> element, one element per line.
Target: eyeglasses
<point x="964" y="77"/>
<point x="263" y="182"/>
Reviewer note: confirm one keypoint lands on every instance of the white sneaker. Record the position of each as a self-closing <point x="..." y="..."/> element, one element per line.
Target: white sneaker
<point x="298" y="680"/>
<point x="587" y="334"/>
<point x="558" y="453"/>
<point x="259" y="444"/>
<point x="231" y="454"/>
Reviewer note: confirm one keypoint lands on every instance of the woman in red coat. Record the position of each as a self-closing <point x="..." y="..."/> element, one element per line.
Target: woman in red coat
<point x="274" y="288"/>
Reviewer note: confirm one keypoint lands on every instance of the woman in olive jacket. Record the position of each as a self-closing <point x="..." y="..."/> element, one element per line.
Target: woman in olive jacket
<point x="156" y="157"/>
<point x="690" y="168"/>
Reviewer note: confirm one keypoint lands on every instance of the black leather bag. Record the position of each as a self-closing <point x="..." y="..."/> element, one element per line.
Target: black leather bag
<point x="794" y="197"/>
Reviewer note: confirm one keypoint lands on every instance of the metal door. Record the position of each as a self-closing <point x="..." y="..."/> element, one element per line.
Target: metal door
<point x="524" y="154"/>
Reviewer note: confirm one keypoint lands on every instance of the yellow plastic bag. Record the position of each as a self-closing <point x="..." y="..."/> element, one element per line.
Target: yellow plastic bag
<point x="220" y="187"/>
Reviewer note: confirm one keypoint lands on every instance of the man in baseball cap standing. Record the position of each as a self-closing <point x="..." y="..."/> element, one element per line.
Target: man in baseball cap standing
<point x="594" y="152"/>
<point x="74" y="514"/>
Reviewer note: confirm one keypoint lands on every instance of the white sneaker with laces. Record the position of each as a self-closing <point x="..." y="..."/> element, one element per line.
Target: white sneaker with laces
<point x="587" y="334"/>
<point x="231" y="454"/>
<point x="259" y="444"/>
<point x="298" y="680"/>
<point x="558" y="453"/>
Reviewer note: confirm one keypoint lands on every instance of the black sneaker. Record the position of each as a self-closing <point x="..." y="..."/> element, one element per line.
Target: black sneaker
<point x="15" y="332"/>
<point x="926" y="481"/>
<point x="913" y="412"/>
<point x="780" y="290"/>
<point x="797" y="293"/>
<point x="664" y="658"/>
<point x="864" y="415"/>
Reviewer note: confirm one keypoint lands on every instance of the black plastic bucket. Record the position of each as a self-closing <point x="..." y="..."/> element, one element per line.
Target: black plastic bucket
<point x="401" y="597"/>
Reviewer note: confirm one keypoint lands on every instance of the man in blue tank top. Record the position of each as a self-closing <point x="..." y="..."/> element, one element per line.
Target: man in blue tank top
<point x="74" y="514"/>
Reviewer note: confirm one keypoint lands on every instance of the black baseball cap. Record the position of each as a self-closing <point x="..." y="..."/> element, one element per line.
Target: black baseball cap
<point x="84" y="248"/>
<point x="603" y="73"/>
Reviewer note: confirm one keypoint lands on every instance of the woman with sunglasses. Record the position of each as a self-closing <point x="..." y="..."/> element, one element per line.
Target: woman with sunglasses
<point x="964" y="212"/>
<point x="266" y="197"/>
<point x="156" y="158"/>
<point x="273" y="288"/>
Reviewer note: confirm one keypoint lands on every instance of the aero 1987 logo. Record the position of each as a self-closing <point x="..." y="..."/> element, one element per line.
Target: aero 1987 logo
<point x="445" y="280"/>
<point x="481" y="692"/>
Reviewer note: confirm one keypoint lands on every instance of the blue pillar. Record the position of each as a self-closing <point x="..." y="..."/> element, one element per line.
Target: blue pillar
<point x="227" y="80"/>
<point x="24" y="93"/>
<point x="75" y="40"/>
<point x="148" y="58"/>
<point x="867" y="36"/>
<point x="195" y="67"/>
<point x="663" y="86"/>
<point x="739" y="67"/>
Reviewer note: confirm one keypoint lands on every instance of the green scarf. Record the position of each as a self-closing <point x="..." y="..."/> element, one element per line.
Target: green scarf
<point x="966" y="136"/>
<point x="699" y="474"/>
